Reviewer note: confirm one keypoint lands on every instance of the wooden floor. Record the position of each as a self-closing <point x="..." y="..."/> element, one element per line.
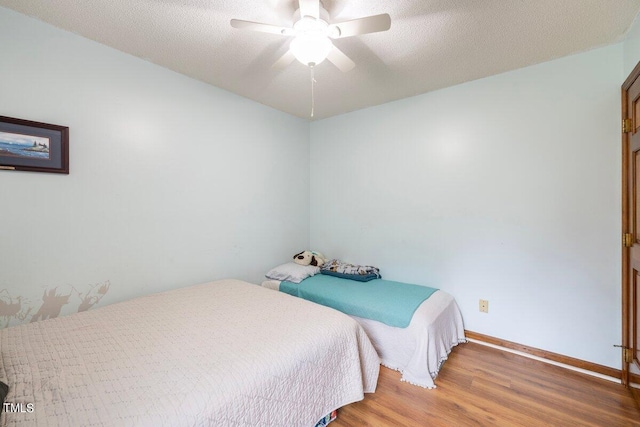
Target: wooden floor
<point x="482" y="386"/>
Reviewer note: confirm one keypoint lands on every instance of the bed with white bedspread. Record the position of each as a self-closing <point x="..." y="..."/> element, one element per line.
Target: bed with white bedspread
<point x="419" y="350"/>
<point x="223" y="353"/>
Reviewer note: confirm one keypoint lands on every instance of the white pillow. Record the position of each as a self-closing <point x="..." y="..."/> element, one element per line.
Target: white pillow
<point x="292" y="272"/>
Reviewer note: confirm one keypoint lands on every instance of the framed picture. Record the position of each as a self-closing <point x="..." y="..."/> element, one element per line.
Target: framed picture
<point x="33" y="146"/>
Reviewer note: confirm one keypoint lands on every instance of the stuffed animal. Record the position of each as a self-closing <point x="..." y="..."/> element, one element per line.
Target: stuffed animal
<point x="309" y="258"/>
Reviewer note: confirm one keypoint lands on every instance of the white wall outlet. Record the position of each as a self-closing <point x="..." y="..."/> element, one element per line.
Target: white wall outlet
<point x="484" y="306"/>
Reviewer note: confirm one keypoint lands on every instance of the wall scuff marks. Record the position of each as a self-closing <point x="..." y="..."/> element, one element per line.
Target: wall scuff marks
<point x="11" y="308"/>
<point x="15" y="310"/>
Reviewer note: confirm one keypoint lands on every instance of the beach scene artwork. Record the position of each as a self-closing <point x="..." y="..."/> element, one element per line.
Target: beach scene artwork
<point x="25" y="146"/>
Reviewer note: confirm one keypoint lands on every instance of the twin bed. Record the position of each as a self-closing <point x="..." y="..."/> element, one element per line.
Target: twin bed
<point x="417" y="349"/>
<point x="224" y="353"/>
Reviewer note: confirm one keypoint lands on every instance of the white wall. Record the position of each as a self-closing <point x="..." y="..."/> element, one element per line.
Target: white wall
<point x="632" y="47"/>
<point x="505" y="188"/>
<point x="173" y="182"/>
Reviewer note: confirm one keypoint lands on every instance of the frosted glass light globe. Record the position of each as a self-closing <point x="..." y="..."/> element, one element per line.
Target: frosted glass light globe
<point x="311" y="48"/>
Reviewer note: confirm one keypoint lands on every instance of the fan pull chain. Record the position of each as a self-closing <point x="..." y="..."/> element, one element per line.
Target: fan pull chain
<point x="313" y="81"/>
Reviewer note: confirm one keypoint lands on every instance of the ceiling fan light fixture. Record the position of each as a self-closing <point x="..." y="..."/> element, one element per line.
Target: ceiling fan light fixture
<point x="311" y="49"/>
<point x="312" y="35"/>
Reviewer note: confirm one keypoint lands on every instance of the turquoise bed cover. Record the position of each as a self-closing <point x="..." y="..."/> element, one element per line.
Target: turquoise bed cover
<point x="392" y="303"/>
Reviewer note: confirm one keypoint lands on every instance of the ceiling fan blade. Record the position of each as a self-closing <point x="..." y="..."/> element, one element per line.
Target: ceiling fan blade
<point x="370" y="24"/>
<point x="340" y="60"/>
<point x="263" y="28"/>
<point x="284" y="60"/>
<point x="310" y="8"/>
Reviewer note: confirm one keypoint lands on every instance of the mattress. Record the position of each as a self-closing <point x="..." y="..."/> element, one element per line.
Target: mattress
<point x="224" y="353"/>
<point x="419" y="350"/>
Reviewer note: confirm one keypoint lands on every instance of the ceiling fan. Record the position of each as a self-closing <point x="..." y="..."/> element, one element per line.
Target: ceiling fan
<point x="312" y="35"/>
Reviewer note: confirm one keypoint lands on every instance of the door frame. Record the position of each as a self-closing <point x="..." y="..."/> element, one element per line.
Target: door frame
<point x="626" y="226"/>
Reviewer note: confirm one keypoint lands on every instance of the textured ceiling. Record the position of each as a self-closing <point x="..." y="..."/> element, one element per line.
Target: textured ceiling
<point x="431" y="44"/>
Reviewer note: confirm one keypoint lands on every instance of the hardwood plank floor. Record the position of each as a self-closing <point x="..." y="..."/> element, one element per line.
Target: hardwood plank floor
<point x="483" y="386"/>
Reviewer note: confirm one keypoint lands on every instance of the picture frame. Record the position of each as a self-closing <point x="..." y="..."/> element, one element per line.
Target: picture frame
<point x="33" y="146"/>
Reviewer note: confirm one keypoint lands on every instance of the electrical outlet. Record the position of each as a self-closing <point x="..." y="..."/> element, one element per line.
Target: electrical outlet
<point x="484" y="306"/>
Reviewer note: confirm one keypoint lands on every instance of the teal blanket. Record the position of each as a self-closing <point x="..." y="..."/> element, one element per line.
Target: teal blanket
<point x="392" y="303"/>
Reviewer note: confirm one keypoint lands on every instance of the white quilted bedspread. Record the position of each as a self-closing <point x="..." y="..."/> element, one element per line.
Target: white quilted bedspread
<point x="226" y="353"/>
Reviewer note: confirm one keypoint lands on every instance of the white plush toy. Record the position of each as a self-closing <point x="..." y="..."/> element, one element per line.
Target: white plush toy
<point x="309" y="258"/>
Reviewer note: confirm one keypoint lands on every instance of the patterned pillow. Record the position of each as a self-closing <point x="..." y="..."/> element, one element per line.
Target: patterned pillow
<point x="338" y="266"/>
